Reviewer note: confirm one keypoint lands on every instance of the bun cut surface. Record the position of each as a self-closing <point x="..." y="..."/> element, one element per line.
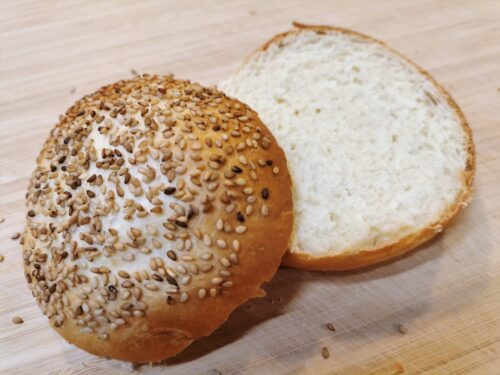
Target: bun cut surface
<point x="381" y="156"/>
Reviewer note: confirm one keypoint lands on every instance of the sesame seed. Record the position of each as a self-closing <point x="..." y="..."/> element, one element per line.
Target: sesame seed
<point x="330" y="327"/>
<point x="325" y="352"/>
<point x="240" y="181"/>
<point x="240" y="229"/>
<point x="202" y="293"/>
<point x="240" y="217"/>
<point x="170" y="190"/>
<point x="123" y="274"/>
<point x="15" y="236"/>
<point x="236" y="245"/>
<point x="151" y="287"/>
<point x="217" y="281"/>
<point x="236" y="169"/>
<point x="276" y="170"/>
<point x="171" y="254"/>
<point x="264" y="210"/>
<point x="183" y="297"/>
<point x="401" y="328"/>
<point x="221" y="244"/>
<point x="17" y="320"/>
<point x="1" y="258"/>
<point x="265" y="193"/>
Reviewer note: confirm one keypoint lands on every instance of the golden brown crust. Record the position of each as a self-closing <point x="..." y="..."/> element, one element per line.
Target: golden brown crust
<point x="356" y="258"/>
<point x="106" y="319"/>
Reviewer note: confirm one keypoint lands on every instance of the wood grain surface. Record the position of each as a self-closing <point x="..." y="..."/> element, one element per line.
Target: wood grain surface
<point x="446" y="294"/>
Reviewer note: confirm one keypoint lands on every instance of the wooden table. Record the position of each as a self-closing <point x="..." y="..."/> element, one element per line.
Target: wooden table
<point x="446" y="294"/>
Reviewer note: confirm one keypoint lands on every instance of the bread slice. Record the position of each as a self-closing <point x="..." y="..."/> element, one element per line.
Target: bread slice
<point x="381" y="156"/>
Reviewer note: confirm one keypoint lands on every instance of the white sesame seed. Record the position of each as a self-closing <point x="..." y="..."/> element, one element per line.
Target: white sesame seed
<point x="217" y="281"/>
<point x="202" y="293"/>
<point x="207" y="240"/>
<point x="219" y="224"/>
<point x="227" y="284"/>
<point x="236" y="245"/>
<point x="240" y="229"/>
<point x="183" y="297"/>
<point x="222" y="244"/>
<point x="225" y="262"/>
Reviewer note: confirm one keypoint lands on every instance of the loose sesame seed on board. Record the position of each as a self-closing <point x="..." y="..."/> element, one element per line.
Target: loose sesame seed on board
<point x="325" y="352"/>
<point x="169" y="156"/>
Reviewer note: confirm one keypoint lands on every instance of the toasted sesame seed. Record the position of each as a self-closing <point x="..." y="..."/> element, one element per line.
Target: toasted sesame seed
<point x="151" y="287"/>
<point x="330" y="327"/>
<point x="15" y="236"/>
<point x="236" y="169"/>
<point x="325" y="352"/>
<point x="1" y="258"/>
<point x="17" y="320"/>
<point x="401" y="328"/>
<point x="171" y="254"/>
<point x="240" y="217"/>
<point x="123" y="274"/>
<point x="276" y="170"/>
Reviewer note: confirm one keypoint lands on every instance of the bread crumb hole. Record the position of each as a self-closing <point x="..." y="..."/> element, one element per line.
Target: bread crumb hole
<point x="394" y="138"/>
<point x="318" y="110"/>
<point x="280" y="100"/>
<point x="296" y="112"/>
<point x="355" y="68"/>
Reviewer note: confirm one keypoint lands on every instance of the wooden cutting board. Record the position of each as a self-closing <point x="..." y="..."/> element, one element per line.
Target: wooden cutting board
<point x="446" y="295"/>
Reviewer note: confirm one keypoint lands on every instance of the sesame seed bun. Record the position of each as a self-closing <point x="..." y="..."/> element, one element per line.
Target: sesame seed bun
<point x="156" y="208"/>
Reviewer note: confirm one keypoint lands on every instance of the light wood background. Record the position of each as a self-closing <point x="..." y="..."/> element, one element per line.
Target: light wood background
<point x="447" y="294"/>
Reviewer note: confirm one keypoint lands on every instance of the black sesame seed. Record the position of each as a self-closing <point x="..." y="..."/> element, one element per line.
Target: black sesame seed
<point x="181" y="224"/>
<point x="170" y="300"/>
<point x="236" y="169"/>
<point x="112" y="289"/>
<point x="170" y="190"/>
<point x="90" y="193"/>
<point x="240" y="217"/>
<point x="66" y="140"/>
<point x="172" y="281"/>
<point x="216" y="127"/>
<point x="156" y="277"/>
<point x="269" y="162"/>
<point x="172" y="255"/>
<point x="53" y="168"/>
<point x="62" y="159"/>
<point x="265" y="193"/>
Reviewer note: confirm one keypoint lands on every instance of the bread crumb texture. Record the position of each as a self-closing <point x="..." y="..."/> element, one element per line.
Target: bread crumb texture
<point x="375" y="149"/>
